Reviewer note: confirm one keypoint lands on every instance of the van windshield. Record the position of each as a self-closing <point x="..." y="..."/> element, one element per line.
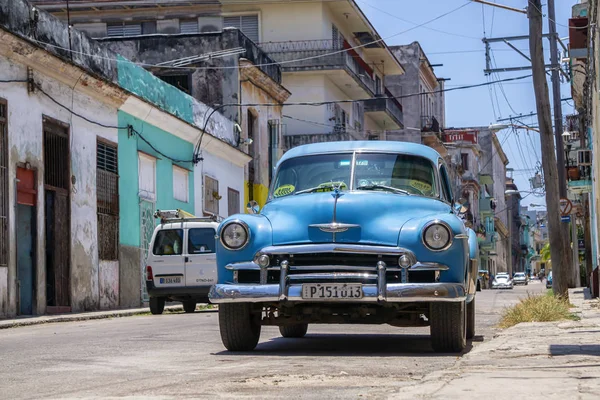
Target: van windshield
<point x="168" y="242"/>
<point x="201" y="241"/>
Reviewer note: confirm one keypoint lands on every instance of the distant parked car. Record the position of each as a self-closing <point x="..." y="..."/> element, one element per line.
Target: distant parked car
<point x="502" y="281"/>
<point x="520" y="279"/>
<point x="549" y="281"/>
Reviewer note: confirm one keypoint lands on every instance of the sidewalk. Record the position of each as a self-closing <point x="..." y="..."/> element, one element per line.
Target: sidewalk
<point x="45" y="319"/>
<point x="552" y="360"/>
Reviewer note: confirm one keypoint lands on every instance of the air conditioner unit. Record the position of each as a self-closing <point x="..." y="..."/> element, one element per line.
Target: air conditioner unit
<point x="210" y="24"/>
<point x="584" y="157"/>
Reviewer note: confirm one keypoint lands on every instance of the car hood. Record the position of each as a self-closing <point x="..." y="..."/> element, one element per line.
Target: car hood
<point x="375" y="217"/>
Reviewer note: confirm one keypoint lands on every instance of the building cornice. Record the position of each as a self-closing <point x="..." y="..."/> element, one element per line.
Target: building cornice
<point x="248" y="71"/>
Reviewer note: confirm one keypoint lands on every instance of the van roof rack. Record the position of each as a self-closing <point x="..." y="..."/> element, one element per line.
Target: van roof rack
<point x="169" y="216"/>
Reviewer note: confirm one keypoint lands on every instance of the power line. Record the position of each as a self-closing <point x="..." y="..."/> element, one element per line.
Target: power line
<point x="417" y="25"/>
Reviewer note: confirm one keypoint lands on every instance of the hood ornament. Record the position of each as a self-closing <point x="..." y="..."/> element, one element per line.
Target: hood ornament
<point x="335" y="227"/>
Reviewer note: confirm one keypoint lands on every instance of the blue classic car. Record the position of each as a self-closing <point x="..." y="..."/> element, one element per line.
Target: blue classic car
<point x="353" y="232"/>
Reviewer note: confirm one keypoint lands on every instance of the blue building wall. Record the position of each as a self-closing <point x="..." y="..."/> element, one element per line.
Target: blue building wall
<point x="129" y="196"/>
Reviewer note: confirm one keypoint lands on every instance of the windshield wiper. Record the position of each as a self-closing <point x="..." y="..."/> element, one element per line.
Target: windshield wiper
<point x="383" y="187"/>
<point x="314" y="189"/>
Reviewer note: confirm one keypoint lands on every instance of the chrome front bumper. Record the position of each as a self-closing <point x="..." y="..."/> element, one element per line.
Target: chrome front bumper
<point x="373" y="278"/>
<point x="393" y="293"/>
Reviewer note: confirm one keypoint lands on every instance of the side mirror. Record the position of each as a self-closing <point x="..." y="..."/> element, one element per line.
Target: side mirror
<point x="252" y="207"/>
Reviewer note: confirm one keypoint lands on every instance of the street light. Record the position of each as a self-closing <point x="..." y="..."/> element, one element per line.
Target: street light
<point x="499" y="127"/>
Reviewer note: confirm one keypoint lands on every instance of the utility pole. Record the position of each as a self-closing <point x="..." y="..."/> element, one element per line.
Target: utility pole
<point x="559" y="245"/>
<point x="555" y="79"/>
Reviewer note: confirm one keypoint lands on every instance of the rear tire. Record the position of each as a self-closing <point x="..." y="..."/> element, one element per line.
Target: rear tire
<point x="448" y="327"/>
<point x="240" y="328"/>
<point x="471" y="320"/>
<point x="189" y="306"/>
<point x="157" y="305"/>
<point x="293" y="331"/>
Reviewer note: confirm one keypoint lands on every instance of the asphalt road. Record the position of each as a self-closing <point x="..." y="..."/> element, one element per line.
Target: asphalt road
<point x="181" y="355"/>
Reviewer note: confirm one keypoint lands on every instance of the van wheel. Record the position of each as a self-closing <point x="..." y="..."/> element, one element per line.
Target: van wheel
<point x="448" y="327"/>
<point x="157" y="305"/>
<point x="293" y="331"/>
<point x="240" y="328"/>
<point x="189" y="306"/>
<point x="471" y="320"/>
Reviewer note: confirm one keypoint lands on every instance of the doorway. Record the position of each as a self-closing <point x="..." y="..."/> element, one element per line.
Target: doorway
<point x="26" y="233"/>
<point x="58" y="216"/>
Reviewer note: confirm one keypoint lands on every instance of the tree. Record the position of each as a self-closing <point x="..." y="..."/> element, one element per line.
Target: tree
<point x="545" y="253"/>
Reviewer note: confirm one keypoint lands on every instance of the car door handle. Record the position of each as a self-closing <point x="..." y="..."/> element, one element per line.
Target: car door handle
<point x="186" y="259"/>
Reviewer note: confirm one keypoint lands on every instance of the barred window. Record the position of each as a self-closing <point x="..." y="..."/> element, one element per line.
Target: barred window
<point x="107" y="184"/>
<point x="211" y="195"/>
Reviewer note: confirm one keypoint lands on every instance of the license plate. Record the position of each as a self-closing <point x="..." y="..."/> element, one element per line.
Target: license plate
<point x="332" y="291"/>
<point x="170" y="280"/>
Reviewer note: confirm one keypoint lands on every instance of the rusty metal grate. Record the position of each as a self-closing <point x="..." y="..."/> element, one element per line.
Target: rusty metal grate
<point x="56" y="151"/>
<point x="3" y="185"/>
<point x="107" y="192"/>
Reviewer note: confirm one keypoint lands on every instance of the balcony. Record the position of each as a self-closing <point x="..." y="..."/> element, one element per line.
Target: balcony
<point x="486" y="235"/>
<point x="387" y="110"/>
<point x="324" y="55"/>
<point x="429" y="124"/>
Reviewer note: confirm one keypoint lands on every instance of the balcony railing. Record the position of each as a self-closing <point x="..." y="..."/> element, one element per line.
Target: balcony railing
<point x="390" y="106"/>
<point x="320" y="54"/>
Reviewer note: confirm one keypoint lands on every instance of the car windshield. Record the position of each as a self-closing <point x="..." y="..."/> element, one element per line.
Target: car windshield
<point x="395" y="173"/>
<point x="519" y="275"/>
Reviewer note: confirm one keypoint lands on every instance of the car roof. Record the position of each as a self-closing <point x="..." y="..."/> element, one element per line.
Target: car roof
<point x="363" y="146"/>
<point x="187" y="224"/>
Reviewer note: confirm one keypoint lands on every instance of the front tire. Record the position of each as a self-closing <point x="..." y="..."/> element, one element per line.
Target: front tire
<point x="240" y="328"/>
<point x="471" y="320"/>
<point x="189" y="306"/>
<point x="448" y="327"/>
<point x="157" y="305"/>
<point x="293" y="331"/>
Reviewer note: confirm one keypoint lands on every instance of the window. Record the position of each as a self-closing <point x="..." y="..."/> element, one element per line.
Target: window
<point x="131" y="28"/>
<point x="445" y="184"/>
<point x="201" y="241"/>
<point x="248" y="24"/>
<point x="147" y="176"/>
<point x="464" y="161"/>
<point x="188" y="26"/>
<point x="107" y="195"/>
<point x="273" y="146"/>
<point x="377" y="84"/>
<point x="233" y="201"/>
<point x="168" y="242"/>
<point x="181" y="82"/>
<point x="180" y="184"/>
<point x="3" y="184"/>
<point x="211" y="195"/>
<point x="358" y="115"/>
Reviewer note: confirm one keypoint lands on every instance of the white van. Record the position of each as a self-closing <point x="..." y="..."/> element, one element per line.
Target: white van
<point x="182" y="263"/>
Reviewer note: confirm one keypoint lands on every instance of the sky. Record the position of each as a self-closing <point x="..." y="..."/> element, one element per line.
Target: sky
<point x="455" y="41"/>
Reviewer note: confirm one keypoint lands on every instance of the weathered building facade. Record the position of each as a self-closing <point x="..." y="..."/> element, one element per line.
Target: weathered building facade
<point x="493" y="229"/>
<point x="419" y="92"/>
<point x="90" y="146"/>
<point x="240" y="73"/>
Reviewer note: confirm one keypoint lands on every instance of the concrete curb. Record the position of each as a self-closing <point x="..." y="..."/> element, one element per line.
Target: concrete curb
<point x="47" y="319"/>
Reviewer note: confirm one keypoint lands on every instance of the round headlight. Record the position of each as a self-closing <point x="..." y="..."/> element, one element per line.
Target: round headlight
<point x="437" y="236"/>
<point x="235" y="235"/>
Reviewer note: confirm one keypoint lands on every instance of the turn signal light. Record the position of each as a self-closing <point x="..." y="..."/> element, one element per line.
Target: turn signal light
<point x="149" y="276"/>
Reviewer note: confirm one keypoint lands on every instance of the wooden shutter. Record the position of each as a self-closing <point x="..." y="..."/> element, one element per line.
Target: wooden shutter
<point x="211" y="195"/>
<point x="248" y="24"/>
<point x="233" y="201"/>
<point x="188" y="26"/>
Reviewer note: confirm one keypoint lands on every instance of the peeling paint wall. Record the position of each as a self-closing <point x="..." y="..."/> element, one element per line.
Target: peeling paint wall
<point x="108" y="284"/>
<point x="262" y="141"/>
<point x="25" y="138"/>
<point x="218" y="85"/>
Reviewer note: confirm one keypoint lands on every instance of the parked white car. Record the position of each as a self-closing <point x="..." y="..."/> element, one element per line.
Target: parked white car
<point x="520" y="278"/>
<point x="502" y="281"/>
<point x="181" y="263"/>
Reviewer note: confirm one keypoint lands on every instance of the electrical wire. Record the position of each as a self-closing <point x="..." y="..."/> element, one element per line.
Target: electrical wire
<point x="273" y="63"/>
<point x="418" y="25"/>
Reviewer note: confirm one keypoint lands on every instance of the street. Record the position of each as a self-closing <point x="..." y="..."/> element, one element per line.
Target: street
<point x="181" y="355"/>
